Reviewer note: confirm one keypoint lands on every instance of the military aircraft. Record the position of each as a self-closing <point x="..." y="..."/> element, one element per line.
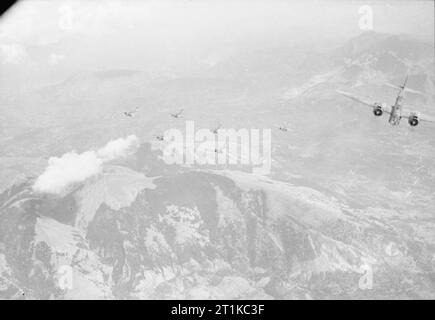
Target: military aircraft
<point x="160" y="137"/>
<point x="178" y="114"/>
<point x="130" y="113"/>
<point x="221" y="150"/>
<point x="215" y="130"/>
<point x="282" y="128"/>
<point x="396" y="112"/>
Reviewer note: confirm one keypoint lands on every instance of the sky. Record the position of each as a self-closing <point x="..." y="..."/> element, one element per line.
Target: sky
<point x="47" y="41"/>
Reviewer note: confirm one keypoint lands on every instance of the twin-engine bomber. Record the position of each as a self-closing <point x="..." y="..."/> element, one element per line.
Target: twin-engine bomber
<point x="396" y="112"/>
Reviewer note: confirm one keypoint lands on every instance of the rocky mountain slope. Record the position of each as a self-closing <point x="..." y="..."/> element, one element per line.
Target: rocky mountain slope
<point x="142" y="229"/>
<point x="347" y="211"/>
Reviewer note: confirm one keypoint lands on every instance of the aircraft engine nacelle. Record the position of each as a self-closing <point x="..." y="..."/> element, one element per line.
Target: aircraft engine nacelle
<point x="413" y="120"/>
<point x="377" y="110"/>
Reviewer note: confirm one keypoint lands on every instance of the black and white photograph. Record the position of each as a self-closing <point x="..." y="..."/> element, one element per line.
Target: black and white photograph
<point x="236" y="150"/>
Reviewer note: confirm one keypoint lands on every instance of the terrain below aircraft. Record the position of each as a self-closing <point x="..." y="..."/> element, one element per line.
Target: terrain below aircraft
<point x="396" y="112"/>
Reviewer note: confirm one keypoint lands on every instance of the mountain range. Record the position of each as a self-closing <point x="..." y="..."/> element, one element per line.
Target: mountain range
<point x="347" y="211"/>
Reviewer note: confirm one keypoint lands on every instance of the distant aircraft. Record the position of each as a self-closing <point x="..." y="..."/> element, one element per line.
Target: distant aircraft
<point x="215" y="130"/>
<point x="178" y="114"/>
<point x="396" y="112"/>
<point x="282" y="128"/>
<point x="160" y="137"/>
<point x="130" y="113"/>
<point x="221" y="150"/>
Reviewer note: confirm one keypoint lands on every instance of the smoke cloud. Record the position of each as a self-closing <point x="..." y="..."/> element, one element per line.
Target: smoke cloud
<point x="118" y="148"/>
<point x="73" y="167"/>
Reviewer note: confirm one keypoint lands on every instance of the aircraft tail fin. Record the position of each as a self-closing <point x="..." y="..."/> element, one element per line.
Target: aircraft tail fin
<point x="403" y="88"/>
<point x="404" y="83"/>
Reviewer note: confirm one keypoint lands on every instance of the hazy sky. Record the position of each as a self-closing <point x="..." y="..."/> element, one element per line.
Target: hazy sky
<point x="40" y="39"/>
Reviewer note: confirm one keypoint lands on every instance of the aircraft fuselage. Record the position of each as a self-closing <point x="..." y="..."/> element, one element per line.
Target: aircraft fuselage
<point x="396" y="109"/>
<point x="396" y="115"/>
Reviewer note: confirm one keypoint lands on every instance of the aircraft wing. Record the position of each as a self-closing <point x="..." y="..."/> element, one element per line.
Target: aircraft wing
<point x="421" y="116"/>
<point x="361" y="100"/>
<point x="426" y="118"/>
<point x="356" y="98"/>
<point x="281" y="127"/>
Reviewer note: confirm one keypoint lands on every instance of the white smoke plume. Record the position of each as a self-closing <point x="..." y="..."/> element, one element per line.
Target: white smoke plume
<point x="72" y="167"/>
<point x="118" y="148"/>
